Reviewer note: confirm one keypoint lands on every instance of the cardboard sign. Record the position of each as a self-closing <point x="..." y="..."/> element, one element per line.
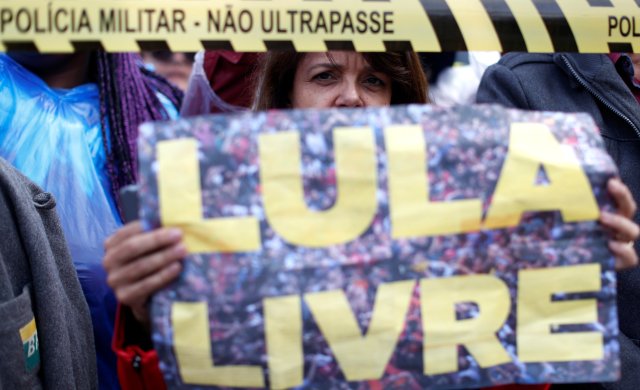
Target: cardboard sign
<point x="398" y="247"/>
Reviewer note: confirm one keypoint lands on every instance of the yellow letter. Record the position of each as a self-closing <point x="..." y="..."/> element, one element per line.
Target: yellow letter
<point x="181" y="204"/>
<point x="192" y="344"/>
<point x="443" y="332"/>
<point x="533" y="145"/>
<point x="537" y="314"/>
<point x="362" y="357"/>
<point x="283" y="328"/>
<point x="412" y="214"/>
<point x="283" y="194"/>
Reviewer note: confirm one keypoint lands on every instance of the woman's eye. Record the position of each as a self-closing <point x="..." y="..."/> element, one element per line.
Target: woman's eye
<point x="324" y="76"/>
<point x="374" y="81"/>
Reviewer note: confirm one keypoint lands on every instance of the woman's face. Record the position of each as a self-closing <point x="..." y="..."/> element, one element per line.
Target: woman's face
<point x="347" y="81"/>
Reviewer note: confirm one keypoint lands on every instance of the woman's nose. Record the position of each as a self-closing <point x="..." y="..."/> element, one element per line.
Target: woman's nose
<point x="349" y="96"/>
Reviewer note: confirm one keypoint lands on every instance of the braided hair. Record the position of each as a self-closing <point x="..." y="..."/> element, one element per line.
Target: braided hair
<point x="127" y="99"/>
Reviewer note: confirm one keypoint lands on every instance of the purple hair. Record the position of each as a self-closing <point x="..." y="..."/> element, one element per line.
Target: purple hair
<point x="127" y="99"/>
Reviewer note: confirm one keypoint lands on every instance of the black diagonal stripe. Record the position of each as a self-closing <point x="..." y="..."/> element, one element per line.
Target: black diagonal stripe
<point x="445" y="25"/>
<point x="217" y="45"/>
<point x="398" y="46"/>
<point x="340" y="45"/>
<point x="600" y="3"/>
<point x="87" y="45"/>
<point x="557" y="26"/>
<point x="20" y="46"/>
<point x="280" y="45"/>
<point x="623" y="47"/>
<point x="153" y="45"/>
<point x="506" y="25"/>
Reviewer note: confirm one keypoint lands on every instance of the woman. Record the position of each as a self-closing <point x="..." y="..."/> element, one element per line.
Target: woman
<point x="339" y="79"/>
<point x="69" y="123"/>
<point x="319" y="80"/>
<point x="140" y="263"/>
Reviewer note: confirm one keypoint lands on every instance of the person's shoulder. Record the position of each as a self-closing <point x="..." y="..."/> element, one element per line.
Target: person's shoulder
<point x="9" y="172"/>
<point x="534" y="66"/>
<point x="517" y="78"/>
<point x="11" y="179"/>
<point x="515" y="60"/>
<point x="524" y="67"/>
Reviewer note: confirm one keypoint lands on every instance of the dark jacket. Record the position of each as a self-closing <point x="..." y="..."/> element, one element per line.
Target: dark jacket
<point x="45" y="329"/>
<point x="584" y="83"/>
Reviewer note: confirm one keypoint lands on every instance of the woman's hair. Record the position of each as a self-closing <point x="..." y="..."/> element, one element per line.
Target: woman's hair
<point x="127" y="99"/>
<point x="274" y="77"/>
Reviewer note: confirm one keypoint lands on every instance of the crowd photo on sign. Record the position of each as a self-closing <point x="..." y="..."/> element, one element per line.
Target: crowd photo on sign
<point x="470" y="147"/>
<point x="335" y="219"/>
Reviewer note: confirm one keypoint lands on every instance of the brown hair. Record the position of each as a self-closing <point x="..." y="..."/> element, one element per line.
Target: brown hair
<point x="274" y="77"/>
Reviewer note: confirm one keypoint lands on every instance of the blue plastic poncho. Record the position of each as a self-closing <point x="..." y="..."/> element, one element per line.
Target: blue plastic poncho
<point x="53" y="136"/>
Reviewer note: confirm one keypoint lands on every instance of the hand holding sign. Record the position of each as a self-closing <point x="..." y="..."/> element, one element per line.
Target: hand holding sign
<point x="140" y="263"/>
<point x="264" y="292"/>
<point x="623" y="230"/>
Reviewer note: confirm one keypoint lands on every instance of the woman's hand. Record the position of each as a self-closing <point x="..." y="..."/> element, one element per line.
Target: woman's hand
<point x="140" y="263"/>
<point x="624" y="230"/>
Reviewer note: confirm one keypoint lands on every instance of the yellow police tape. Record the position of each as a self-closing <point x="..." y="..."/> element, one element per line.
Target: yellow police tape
<point x="594" y="26"/>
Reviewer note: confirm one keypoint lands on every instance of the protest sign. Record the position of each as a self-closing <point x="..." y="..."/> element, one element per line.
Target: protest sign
<point x="395" y="247"/>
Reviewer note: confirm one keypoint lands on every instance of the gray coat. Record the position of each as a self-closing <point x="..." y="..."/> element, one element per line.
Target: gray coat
<point x="39" y="286"/>
<point x="584" y="83"/>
